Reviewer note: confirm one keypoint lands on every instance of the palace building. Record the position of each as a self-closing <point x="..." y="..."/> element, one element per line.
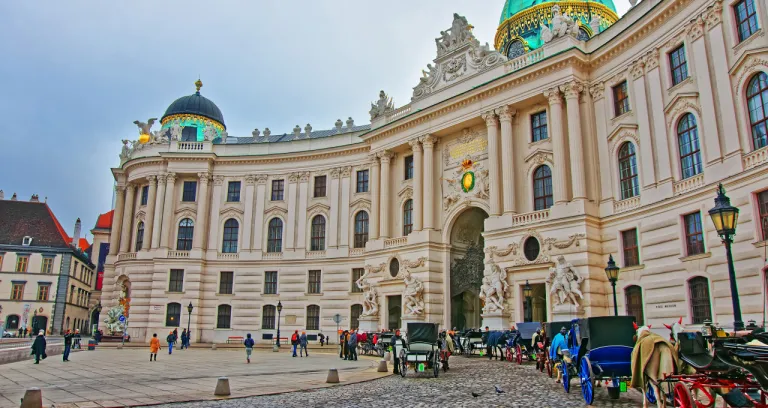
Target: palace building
<point x="495" y="196"/>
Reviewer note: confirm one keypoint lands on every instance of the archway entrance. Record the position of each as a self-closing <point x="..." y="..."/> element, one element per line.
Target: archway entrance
<point x="467" y="266"/>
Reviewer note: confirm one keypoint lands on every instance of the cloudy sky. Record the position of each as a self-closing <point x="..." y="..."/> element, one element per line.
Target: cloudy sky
<point x="75" y="74"/>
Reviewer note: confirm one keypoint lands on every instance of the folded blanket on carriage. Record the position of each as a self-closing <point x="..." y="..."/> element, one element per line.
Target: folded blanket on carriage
<point x="757" y="343"/>
<point x="652" y="357"/>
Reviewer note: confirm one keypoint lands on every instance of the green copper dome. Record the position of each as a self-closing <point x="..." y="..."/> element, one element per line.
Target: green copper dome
<point x="512" y="7"/>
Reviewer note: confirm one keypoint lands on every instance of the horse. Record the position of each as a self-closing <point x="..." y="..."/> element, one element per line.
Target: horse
<point x="495" y="342"/>
<point x="653" y="359"/>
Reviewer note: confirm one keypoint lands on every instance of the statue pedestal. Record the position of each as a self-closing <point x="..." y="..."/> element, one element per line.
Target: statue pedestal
<point x="561" y="313"/>
<point x="495" y="321"/>
<point x="369" y="324"/>
<point x="409" y="319"/>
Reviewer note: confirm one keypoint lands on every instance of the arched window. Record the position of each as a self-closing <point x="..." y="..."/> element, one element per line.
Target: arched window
<point x="361" y="229"/>
<point x="690" y="150"/>
<point x="12" y="322"/>
<point x="542" y="188"/>
<point x="516" y="49"/>
<point x="757" y="101"/>
<point x="231" y="228"/>
<point x="407" y="217"/>
<point x="701" y="307"/>
<point x="173" y="314"/>
<point x="354" y="320"/>
<point x="630" y="186"/>
<point x="186" y="231"/>
<point x="224" y="317"/>
<point x="634" y="302"/>
<point x="140" y="236"/>
<point x="318" y="233"/>
<point x="275" y="235"/>
<point x="313" y="317"/>
<point x="268" y="313"/>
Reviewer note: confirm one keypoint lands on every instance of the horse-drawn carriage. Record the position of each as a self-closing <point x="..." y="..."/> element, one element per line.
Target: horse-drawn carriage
<point x="549" y="330"/>
<point x="523" y="346"/>
<point x="422" y="352"/>
<point x="383" y="341"/>
<point x="470" y="341"/>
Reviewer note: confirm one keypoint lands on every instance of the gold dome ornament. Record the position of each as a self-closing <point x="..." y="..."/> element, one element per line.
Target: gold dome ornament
<point x="198" y="85"/>
<point x="143" y="138"/>
<point x="145" y="129"/>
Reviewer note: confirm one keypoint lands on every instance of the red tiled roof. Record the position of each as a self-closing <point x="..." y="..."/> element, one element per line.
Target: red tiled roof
<point x="105" y="220"/>
<point x="83" y="244"/>
<point x="23" y="218"/>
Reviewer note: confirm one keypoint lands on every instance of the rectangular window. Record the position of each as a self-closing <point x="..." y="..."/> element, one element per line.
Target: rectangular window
<point x="762" y="204"/>
<point x="268" y="317"/>
<point x="678" y="64"/>
<point x="173" y="315"/>
<point x="357" y="273"/>
<point x="176" y="281"/>
<point x="47" y="266"/>
<point x="362" y="181"/>
<point x="17" y="291"/>
<point x="233" y="192"/>
<point x="277" y="190"/>
<point x="631" y="250"/>
<point x="226" y="283"/>
<point x="270" y="283"/>
<point x="71" y="293"/>
<point x="190" y="191"/>
<point x="746" y="18"/>
<point x="314" y="282"/>
<point x="694" y="237"/>
<point x="320" y="186"/>
<point x="21" y="263"/>
<point x="539" y="126"/>
<point x="408" y="167"/>
<point x="620" y="99"/>
<point x="43" y="289"/>
<point x="144" y="195"/>
<point x="313" y="317"/>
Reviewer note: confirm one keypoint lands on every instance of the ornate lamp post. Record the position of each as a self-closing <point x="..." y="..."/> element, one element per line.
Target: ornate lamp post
<point x="612" y="271"/>
<point x="279" y="310"/>
<point x="527" y="293"/>
<point x="189" y="317"/>
<point x="725" y="216"/>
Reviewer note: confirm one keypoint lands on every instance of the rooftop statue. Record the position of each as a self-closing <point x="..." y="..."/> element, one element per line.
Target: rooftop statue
<point x="562" y="25"/>
<point x="383" y="106"/>
<point x="145" y="128"/>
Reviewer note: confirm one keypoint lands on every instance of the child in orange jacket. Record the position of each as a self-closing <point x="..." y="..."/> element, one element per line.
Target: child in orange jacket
<point x="154" y="346"/>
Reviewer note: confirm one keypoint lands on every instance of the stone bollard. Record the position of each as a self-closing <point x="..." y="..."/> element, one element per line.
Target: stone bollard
<point x="387" y="356"/>
<point x="333" y="376"/>
<point x="33" y="398"/>
<point x="222" y="387"/>
<point x="213" y="346"/>
<point x="120" y="346"/>
<point x="382" y="367"/>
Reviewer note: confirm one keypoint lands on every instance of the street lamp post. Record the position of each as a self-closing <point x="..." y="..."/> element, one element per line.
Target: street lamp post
<point x="725" y="216"/>
<point x="612" y="271"/>
<point x="34" y="323"/>
<point x="527" y="294"/>
<point x="189" y="318"/>
<point x="279" y="310"/>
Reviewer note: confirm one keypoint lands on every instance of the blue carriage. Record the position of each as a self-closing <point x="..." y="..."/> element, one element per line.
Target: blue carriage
<point x="599" y="349"/>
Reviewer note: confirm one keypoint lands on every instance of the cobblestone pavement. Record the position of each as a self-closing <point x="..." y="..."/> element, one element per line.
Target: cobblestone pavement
<point x="523" y="386"/>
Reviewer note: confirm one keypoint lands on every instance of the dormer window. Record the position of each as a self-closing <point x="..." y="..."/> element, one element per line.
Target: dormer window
<point x="27" y="241"/>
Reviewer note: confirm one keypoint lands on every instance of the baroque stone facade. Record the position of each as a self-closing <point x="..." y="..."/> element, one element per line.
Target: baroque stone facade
<point x="552" y="161"/>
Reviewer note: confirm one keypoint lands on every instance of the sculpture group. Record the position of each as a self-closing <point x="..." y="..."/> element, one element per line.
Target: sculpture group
<point x="494" y="289"/>
<point x="564" y="283"/>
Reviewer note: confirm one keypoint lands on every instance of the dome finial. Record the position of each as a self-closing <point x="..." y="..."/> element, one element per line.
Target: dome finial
<point x="198" y="84"/>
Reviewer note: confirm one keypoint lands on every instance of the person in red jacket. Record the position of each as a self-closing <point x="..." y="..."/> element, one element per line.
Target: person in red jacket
<point x="295" y="341"/>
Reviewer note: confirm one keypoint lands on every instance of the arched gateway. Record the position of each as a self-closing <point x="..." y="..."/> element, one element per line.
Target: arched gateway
<point x="466" y="268"/>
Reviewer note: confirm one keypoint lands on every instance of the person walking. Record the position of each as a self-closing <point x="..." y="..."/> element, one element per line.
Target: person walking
<point x="67" y="345"/>
<point x="343" y="344"/>
<point x="352" y="343"/>
<point x="175" y="336"/>
<point x="248" y="343"/>
<point x="183" y="338"/>
<point x="76" y="340"/>
<point x="38" y="347"/>
<point x="170" y="339"/>
<point x="295" y="341"/>
<point x="154" y="347"/>
<point x="322" y="339"/>
<point x="303" y="344"/>
<point x="394" y="342"/>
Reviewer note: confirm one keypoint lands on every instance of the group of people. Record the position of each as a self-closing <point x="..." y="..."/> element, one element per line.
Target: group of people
<point x="172" y="338"/>
<point x="299" y="341"/>
<point x="71" y="341"/>
<point x="348" y="341"/>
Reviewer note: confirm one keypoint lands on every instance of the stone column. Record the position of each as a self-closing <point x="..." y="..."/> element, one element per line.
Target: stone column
<point x="158" y="217"/>
<point x="555" y="123"/>
<point x="202" y="212"/>
<point x="373" y="225"/>
<point x="428" y="142"/>
<point x="168" y="206"/>
<point x="572" y="91"/>
<point x="346" y="182"/>
<point x="258" y="219"/>
<point x="213" y="228"/>
<point x="150" y="218"/>
<point x="289" y="239"/>
<point x="333" y="222"/>
<point x="494" y="177"/>
<point x="117" y="220"/>
<point x="385" y="205"/>
<point x="304" y="226"/>
<point x="127" y="225"/>
<point x="708" y="125"/>
<point x="661" y="145"/>
<point x="598" y="96"/>
<point x="418" y="185"/>
<point x="648" y="173"/>
<point x="247" y="228"/>
<point x="507" y="158"/>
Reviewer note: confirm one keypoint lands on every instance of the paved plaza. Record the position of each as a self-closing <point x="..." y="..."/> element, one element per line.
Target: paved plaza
<point x="116" y="378"/>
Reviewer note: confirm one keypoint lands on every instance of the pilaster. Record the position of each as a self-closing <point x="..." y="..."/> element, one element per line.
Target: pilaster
<point x="346" y="185"/>
<point x="216" y="197"/>
<point x="572" y="91"/>
<point x="418" y="185"/>
<point x="202" y="212"/>
<point x="373" y="225"/>
<point x="385" y="205"/>
<point x="127" y="226"/>
<point x="117" y="220"/>
<point x="428" y="142"/>
<point x="168" y="208"/>
<point x="258" y="228"/>
<point x="558" y="145"/>
<point x="158" y="217"/>
<point x="507" y="158"/>
<point x="248" y="229"/>
<point x="333" y="222"/>
<point x="648" y="173"/>
<point x="150" y="218"/>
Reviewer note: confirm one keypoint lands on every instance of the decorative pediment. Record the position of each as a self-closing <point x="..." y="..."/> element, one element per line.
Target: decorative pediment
<point x="405" y="193"/>
<point x="140" y="215"/>
<point x="185" y="213"/>
<point x="231" y="211"/>
<point x="459" y="57"/>
<point x="275" y="210"/>
<point x="623" y="132"/>
<point x="360" y="204"/>
<point x="540" y="156"/>
<point x="186" y="207"/>
<point x="749" y="63"/>
<point x="317" y="208"/>
<point x="680" y="103"/>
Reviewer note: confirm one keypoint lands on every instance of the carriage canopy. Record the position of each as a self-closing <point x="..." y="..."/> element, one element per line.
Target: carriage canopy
<point x="422" y="332"/>
<point x="528" y="329"/>
<point x="606" y="331"/>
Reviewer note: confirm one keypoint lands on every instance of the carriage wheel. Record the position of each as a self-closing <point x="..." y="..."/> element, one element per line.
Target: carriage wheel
<point x="403" y="366"/>
<point x="549" y="367"/>
<point x="510" y="357"/>
<point x="519" y="352"/>
<point x="682" y="396"/>
<point x="566" y="376"/>
<point x="435" y="366"/>
<point x="586" y="376"/>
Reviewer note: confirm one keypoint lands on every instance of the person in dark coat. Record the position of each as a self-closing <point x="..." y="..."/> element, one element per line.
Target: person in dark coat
<point x="322" y="339"/>
<point x="38" y="347"/>
<point x="396" y="339"/>
<point x="67" y="344"/>
<point x="183" y="338"/>
<point x="352" y="343"/>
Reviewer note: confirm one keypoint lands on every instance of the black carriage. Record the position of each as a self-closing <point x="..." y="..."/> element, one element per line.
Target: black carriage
<point x="422" y="352"/>
<point x="383" y="342"/>
<point x="470" y="341"/>
<point x="524" y="349"/>
<point x="549" y="330"/>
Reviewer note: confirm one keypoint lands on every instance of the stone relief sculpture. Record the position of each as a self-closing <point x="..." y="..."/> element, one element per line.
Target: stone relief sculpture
<point x="145" y="128"/>
<point x="594" y="24"/>
<point x="113" y="320"/>
<point x="494" y="289"/>
<point x="562" y="25"/>
<point x="160" y="137"/>
<point x="175" y="132"/>
<point x="413" y="295"/>
<point x="126" y="152"/>
<point x="564" y="282"/>
<point x="370" y="297"/>
<point x="382" y="107"/>
<point x="209" y="133"/>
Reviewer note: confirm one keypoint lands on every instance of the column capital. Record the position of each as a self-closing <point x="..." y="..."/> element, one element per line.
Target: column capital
<point x="713" y="15"/>
<point x="335" y="172"/>
<point x="695" y="29"/>
<point x="204" y="177"/>
<point x="218" y="180"/>
<point x="346" y="172"/>
<point x="170" y="177"/>
<point x="428" y="141"/>
<point x="261" y="178"/>
<point x="373" y="159"/>
<point x="415" y="145"/>
<point x="152" y="178"/>
<point x="572" y="90"/>
<point x="505" y="114"/>
<point x="490" y="118"/>
<point x="637" y="69"/>
<point x="119" y="189"/>
<point x="250" y="179"/>
<point x="385" y="156"/>
<point x="652" y="59"/>
<point x="161" y="179"/>
<point x="597" y="91"/>
<point x="553" y="96"/>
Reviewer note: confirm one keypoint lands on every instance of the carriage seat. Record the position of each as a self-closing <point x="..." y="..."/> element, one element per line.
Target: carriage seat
<point x="420" y="347"/>
<point x="752" y="359"/>
<point x="694" y="352"/>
